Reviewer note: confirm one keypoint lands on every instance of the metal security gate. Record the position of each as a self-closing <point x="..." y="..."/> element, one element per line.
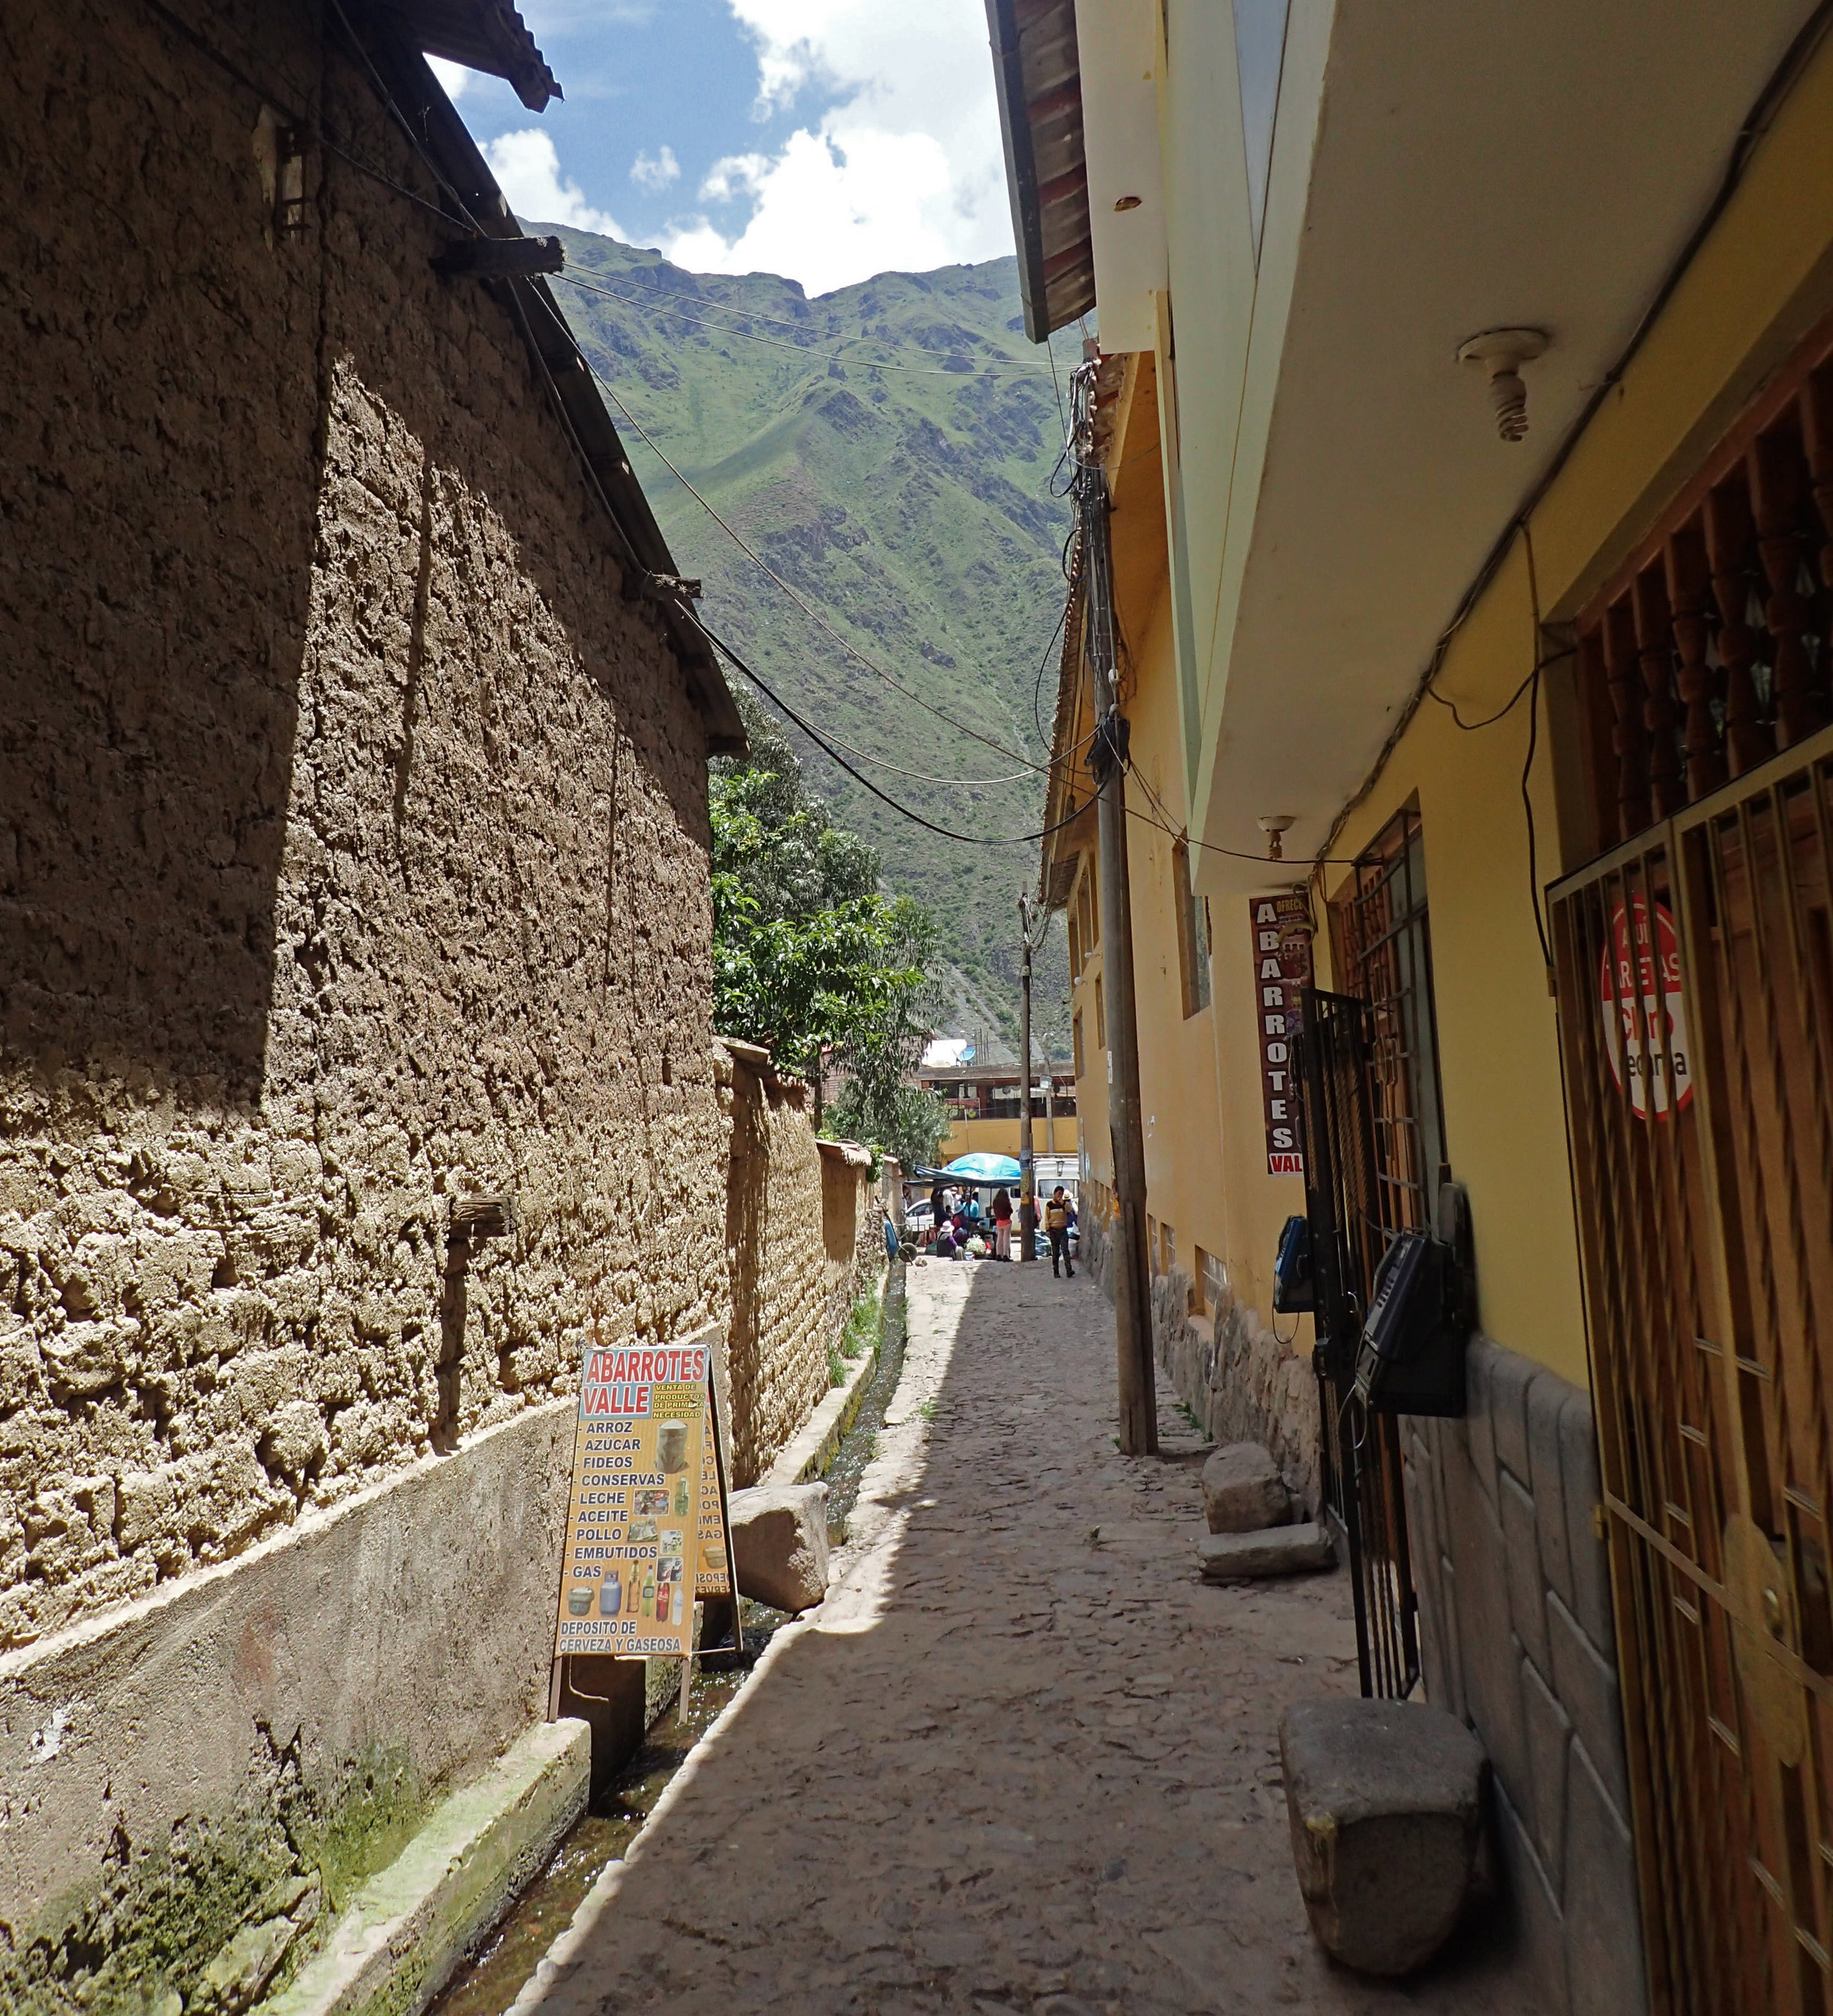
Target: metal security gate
<point x="1695" y="977"/>
<point x="1362" y="1488"/>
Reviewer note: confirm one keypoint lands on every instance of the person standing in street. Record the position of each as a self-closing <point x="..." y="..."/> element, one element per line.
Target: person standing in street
<point x="1002" y="1224"/>
<point x="1056" y="1225"/>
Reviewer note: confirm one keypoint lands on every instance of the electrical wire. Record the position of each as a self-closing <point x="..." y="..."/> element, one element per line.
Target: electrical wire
<point x="315" y="125"/>
<point x="802" y="349"/>
<point x="1533" y="741"/>
<point x="820" y="741"/>
<point x="1769" y="101"/>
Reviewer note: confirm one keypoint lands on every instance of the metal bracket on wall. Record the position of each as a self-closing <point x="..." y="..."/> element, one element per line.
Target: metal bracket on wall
<point x="501" y="258"/>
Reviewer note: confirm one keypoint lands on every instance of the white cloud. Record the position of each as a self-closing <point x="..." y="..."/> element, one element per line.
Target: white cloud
<point x="655" y="172"/>
<point x="452" y="76"/>
<point x="529" y="170"/>
<point x="904" y="170"/>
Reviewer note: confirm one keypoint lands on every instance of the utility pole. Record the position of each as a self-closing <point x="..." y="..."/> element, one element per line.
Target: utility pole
<point x="1028" y="1205"/>
<point x="1132" y="1285"/>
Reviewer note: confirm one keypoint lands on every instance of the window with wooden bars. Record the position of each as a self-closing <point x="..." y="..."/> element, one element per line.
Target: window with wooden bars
<point x="1709" y="650"/>
<point x="1193" y="934"/>
<point x="1381" y="938"/>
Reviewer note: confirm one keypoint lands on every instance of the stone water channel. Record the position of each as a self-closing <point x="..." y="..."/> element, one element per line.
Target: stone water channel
<point x="490" y="1980"/>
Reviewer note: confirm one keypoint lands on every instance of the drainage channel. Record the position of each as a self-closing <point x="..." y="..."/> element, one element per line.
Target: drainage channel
<point x="492" y="1978"/>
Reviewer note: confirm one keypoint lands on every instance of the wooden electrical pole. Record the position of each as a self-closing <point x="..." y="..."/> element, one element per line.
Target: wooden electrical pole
<point x="1132" y="1283"/>
<point x="1028" y="1205"/>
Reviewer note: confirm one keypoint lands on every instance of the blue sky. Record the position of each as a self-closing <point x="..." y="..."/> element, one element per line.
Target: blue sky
<point x="826" y="140"/>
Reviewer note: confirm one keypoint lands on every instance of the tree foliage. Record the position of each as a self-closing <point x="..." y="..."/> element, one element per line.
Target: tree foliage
<point x="809" y="955"/>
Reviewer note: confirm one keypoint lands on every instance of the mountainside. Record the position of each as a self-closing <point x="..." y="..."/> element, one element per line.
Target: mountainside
<point x="911" y="506"/>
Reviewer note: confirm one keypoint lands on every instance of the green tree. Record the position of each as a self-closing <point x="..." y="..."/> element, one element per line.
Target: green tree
<point x="808" y="956"/>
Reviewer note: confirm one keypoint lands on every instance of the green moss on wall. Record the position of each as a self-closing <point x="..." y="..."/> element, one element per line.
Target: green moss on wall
<point x="141" y="1939"/>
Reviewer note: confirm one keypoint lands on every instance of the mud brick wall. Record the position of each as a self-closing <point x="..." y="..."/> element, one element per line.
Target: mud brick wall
<point x="352" y="834"/>
<point x="778" y="1332"/>
<point x="850" y="1235"/>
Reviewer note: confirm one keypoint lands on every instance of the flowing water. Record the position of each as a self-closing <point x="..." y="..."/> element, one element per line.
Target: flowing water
<point x="490" y="1980"/>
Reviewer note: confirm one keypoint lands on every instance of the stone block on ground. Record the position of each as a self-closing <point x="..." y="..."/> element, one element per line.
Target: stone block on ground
<point x="780" y="1536"/>
<point x="1280" y="1550"/>
<point x="1385" y="1802"/>
<point x="1243" y="1490"/>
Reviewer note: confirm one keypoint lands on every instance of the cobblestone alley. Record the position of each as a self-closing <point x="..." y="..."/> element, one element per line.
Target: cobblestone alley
<point x="1022" y="1759"/>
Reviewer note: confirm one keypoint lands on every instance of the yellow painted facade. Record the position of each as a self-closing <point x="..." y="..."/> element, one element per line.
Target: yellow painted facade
<point x="1760" y="281"/>
<point x="1000" y="1136"/>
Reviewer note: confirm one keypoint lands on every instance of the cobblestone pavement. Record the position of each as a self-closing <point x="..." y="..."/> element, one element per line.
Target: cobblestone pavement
<point x="1021" y="1759"/>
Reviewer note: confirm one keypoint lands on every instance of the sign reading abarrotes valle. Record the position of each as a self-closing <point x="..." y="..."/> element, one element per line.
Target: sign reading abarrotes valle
<point x="1281" y="925"/>
<point x="633" y="1527"/>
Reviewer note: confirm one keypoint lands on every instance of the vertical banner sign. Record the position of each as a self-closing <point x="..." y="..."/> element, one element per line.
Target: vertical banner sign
<point x="628" y="1575"/>
<point x="1281" y="927"/>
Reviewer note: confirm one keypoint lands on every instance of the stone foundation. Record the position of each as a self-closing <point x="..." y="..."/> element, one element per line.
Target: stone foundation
<point x="1243" y="1383"/>
<point x="1516" y="1637"/>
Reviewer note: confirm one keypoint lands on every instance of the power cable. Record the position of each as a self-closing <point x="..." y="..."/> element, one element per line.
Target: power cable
<point x="1781" y="81"/>
<point x="315" y="124"/>
<point x="821" y="742"/>
<point x="802" y="349"/>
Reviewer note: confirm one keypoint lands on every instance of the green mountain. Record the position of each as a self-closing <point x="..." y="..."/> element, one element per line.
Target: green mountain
<point x="888" y="450"/>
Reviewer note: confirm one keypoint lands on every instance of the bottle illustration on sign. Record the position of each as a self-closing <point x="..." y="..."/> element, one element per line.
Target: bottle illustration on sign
<point x="648" y="1591"/>
<point x="681" y="1496"/>
<point x="610" y="1594"/>
<point x="674" y="1609"/>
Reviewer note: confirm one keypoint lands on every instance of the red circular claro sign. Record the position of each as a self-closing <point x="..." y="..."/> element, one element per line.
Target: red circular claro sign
<point x="1645" y="1017"/>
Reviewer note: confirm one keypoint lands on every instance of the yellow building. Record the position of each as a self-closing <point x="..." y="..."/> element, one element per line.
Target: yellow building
<point x="1465" y="402"/>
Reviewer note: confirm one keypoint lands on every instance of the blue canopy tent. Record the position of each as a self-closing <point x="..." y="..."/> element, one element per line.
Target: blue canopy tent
<point x="982" y="1170"/>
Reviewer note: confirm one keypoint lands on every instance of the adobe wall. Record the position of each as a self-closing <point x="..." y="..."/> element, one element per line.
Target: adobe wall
<point x="778" y="1333"/>
<point x="353" y="857"/>
<point x="352" y="840"/>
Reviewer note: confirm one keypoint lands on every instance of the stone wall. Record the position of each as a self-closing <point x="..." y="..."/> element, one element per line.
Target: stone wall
<point x="1243" y="1383"/>
<point x="1517" y="1636"/>
<point x="778" y="1332"/>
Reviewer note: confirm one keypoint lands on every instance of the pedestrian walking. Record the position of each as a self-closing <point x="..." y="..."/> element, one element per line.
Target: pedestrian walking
<point x="1002" y="1224"/>
<point x="1056" y="1225"/>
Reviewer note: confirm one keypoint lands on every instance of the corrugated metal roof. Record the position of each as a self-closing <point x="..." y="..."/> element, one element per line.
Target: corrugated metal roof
<point x="487" y="35"/>
<point x="1038" y="76"/>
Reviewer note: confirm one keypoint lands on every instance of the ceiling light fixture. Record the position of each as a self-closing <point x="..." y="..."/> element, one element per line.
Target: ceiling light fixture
<point x="1274" y="825"/>
<point x="1502" y="352"/>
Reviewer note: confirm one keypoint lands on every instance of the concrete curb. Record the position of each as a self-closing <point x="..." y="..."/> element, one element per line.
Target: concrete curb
<point x="405" y="1931"/>
<point x="556" y="1986"/>
<point x="812" y="1448"/>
